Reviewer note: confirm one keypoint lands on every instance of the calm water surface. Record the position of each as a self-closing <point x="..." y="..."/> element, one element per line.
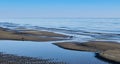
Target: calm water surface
<point x="47" y="50"/>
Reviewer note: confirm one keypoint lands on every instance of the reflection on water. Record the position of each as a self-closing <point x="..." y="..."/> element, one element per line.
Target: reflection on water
<point x="47" y="50"/>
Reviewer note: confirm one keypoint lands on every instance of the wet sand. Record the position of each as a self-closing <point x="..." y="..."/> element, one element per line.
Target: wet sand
<point x="13" y="59"/>
<point x="30" y="35"/>
<point x="105" y="49"/>
<point x="112" y="55"/>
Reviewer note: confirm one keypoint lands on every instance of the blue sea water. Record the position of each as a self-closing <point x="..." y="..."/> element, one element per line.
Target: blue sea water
<point x="81" y="29"/>
<point x="85" y="29"/>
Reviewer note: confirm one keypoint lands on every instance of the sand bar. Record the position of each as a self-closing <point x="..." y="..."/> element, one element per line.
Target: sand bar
<point x="30" y="35"/>
<point x="105" y="49"/>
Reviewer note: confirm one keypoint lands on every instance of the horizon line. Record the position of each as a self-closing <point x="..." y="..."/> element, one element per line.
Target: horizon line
<point x="60" y="18"/>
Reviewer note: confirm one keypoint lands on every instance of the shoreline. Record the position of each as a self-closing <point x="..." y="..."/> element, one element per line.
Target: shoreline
<point x="30" y="35"/>
<point x="106" y="50"/>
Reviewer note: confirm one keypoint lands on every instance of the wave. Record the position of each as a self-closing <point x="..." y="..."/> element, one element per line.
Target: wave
<point x="96" y="35"/>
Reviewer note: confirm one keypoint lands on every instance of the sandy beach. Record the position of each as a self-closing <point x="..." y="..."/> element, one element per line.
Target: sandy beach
<point x="30" y="35"/>
<point x="105" y="49"/>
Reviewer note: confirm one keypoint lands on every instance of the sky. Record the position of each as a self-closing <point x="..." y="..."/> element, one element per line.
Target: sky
<point x="60" y="8"/>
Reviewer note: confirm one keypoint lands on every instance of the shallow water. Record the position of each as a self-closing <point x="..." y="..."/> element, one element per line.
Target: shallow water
<point x="47" y="50"/>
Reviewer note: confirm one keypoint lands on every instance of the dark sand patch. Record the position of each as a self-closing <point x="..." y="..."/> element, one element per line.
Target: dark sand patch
<point x="13" y="59"/>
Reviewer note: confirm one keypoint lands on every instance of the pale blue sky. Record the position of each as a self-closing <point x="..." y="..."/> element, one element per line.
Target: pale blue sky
<point x="60" y="8"/>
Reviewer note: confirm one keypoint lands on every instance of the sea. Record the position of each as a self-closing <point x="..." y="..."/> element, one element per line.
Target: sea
<point x="82" y="30"/>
